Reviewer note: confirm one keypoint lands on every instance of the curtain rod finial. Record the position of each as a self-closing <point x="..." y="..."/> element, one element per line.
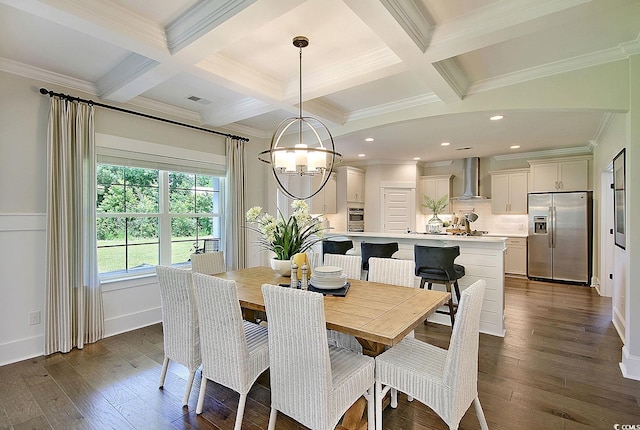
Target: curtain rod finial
<point x="43" y="91"/>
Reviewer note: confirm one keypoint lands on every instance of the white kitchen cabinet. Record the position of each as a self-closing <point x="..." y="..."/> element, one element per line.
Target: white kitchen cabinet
<point x="355" y="185"/>
<point x="435" y="187"/>
<point x="509" y="191"/>
<point x="565" y="174"/>
<point x="515" y="258"/>
<point x="325" y="201"/>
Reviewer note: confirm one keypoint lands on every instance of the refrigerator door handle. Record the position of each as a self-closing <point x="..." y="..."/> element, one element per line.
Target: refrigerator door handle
<point x="550" y="228"/>
<point x="553" y="228"/>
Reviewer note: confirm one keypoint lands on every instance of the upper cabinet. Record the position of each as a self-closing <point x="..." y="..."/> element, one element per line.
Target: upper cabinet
<point x="561" y="174"/>
<point x="325" y="201"/>
<point x="509" y="191"/>
<point x="355" y="185"/>
<point x="435" y="187"/>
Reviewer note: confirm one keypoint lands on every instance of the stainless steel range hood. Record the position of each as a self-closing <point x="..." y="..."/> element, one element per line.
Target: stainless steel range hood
<point x="471" y="180"/>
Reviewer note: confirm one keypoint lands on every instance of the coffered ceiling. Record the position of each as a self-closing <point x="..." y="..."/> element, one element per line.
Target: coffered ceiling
<point x="404" y="72"/>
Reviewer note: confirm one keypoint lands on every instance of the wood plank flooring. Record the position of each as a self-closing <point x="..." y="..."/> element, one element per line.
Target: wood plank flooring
<point x="557" y="368"/>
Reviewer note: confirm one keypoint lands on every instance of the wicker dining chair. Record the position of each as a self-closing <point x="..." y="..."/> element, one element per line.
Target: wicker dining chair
<point x="444" y="380"/>
<point x="234" y="352"/>
<point x="180" y="326"/>
<point x="311" y="382"/>
<point x="209" y="263"/>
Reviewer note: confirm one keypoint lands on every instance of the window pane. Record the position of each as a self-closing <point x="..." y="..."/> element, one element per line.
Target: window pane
<point x="179" y="180"/>
<point x="181" y="201"/>
<point x="183" y="239"/>
<point x="204" y="201"/>
<point x="111" y="200"/>
<point x="143" y="243"/>
<point x="142" y="200"/>
<point x="137" y="177"/>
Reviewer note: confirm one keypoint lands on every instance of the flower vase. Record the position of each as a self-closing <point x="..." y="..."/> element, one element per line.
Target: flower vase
<point x="434" y="225"/>
<point x="282" y="267"/>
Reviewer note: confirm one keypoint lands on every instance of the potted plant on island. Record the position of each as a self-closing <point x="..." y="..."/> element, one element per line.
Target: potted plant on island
<point x="434" y="225"/>
<point x="285" y="237"/>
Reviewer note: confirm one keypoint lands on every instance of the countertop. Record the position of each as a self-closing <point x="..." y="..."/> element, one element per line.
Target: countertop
<point x="423" y="236"/>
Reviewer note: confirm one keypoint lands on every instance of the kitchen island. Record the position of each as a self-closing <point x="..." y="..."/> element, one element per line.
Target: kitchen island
<point x="482" y="257"/>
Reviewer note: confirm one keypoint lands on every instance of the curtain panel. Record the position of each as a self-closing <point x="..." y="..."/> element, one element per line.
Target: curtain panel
<point x="73" y="302"/>
<point x="235" y="207"/>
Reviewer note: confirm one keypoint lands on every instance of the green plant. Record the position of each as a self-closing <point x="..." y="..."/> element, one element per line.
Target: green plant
<point x="286" y="237"/>
<point x="436" y="205"/>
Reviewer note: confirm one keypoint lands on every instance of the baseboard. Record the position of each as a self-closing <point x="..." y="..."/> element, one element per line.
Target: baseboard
<point x="125" y="323"/>
<point x="619" y="324"/>
<point x="630" y="365"/>
<point x="21" y="349"/>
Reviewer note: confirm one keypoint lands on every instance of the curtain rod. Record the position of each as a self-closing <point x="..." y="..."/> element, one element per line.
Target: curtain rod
<point x="44" y="91"/>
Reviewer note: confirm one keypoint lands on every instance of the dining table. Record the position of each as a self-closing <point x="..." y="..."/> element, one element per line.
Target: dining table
<point x="377" y="315"/>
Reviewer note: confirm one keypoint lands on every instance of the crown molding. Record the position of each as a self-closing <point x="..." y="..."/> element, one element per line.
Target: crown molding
<point x="604" y="125"/>
<point x="200" y="19"/>
<point x="217" y="115"/>
<point x="412" y="21"/>
<point x="453" y="76"/>
<point x="174" y="111"/>
<point x="38" y="74"/>
<point x="399" y="105"/>
<point x="444" y="163"/>
<point x="243" y="130"/>
<point x="559" y="152"/>
<point x="621" y="52"/>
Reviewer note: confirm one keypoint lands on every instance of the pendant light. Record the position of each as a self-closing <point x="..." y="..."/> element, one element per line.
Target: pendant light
<point x="302" y="153"/>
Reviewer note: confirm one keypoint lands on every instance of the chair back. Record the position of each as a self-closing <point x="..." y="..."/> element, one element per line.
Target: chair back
<point x="350" y="264"/>
<point x="208" y="263"/>
<point x="436" y="260"/>
<point x="180" y="325"/>
<point x="300" y="369"/>
<point x="461" y="366"/>
<point x="336" y="246"/>
<point x="224" y="347"/>
<point x="382" y="250"/>
<point x="392" y="271"/>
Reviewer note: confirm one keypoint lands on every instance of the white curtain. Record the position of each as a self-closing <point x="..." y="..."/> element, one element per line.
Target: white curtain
<point x="73" y="303"/>
<point x="235" y="207"/>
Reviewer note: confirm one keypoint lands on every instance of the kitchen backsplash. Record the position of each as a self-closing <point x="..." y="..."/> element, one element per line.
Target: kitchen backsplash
<point x="494" y="224"/>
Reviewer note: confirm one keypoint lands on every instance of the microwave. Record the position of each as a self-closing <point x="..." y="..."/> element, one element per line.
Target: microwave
<point x="355" y="219"/>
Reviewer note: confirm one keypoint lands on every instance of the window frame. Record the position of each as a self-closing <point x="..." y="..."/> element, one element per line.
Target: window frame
<point x="124" y="152"/>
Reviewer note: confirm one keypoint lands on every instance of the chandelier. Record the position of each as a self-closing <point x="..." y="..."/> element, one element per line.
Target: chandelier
<point x="302" y="153"/>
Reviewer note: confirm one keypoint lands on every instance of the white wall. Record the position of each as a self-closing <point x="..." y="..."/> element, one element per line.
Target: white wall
<point x="23" y="125"/>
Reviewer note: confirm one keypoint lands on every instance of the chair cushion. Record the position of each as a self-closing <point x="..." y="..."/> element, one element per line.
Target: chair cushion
<point x="437" y="274"/>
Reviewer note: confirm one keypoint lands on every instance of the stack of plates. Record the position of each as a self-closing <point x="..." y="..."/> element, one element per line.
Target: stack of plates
<point x="328" y="278"/>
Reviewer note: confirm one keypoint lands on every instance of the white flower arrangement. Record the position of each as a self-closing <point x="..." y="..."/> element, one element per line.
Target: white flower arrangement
<point x="286" y="237"/>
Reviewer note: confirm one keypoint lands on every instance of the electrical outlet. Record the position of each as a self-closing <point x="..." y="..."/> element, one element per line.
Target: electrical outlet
<point x="34" y="318"/>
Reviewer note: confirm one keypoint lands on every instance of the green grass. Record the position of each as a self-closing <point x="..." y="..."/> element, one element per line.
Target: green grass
<point x="113" y="259"/>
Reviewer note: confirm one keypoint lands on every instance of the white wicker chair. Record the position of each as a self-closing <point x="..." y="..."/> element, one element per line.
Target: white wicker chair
<point x="311" y="382"/>
<point x="446" y="381"/>
<point x="352" y="266"/>
<point x="179" y="323"/>
<point x="392" y="271"/>
<point x="208" y="263"/>
<point x="234" y="352"/>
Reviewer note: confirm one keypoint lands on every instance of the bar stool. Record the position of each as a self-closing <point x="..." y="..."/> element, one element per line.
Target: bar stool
<point x="336" y="246"/>
<point x="434" y="264"/>
<point x="382" y="250"/>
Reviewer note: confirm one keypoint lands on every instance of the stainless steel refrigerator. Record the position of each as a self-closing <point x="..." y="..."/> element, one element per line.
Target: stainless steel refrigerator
<point x="560" y="236"/>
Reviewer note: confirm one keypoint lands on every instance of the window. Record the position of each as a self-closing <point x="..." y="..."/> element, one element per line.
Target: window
<point x="148" y="216"/>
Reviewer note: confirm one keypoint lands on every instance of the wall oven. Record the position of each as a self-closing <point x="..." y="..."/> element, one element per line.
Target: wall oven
<point x="355" y="219"/>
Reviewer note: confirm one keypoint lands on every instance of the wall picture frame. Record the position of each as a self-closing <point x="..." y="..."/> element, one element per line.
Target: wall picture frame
<point x="619" y="203"/>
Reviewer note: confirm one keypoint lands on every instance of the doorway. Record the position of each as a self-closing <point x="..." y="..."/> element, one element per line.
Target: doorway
<point x="606" y="233"/>
<point x="398" y="209"/>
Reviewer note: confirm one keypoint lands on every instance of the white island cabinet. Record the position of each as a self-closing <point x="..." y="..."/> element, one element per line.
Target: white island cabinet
<point x="482" y="257"/>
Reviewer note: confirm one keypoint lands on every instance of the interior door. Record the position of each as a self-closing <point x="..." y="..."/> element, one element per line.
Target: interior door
<point x="397" y="208"/>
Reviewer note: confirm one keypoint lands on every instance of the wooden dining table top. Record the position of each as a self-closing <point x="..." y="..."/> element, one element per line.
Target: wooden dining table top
<point x="378" y="315"/>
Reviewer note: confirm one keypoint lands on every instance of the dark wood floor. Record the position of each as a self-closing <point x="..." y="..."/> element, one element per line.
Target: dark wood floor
<point x="557" y="368"/>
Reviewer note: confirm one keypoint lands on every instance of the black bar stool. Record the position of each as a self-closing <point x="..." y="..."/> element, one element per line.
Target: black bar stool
<point x="336" y="246"/>
<point x="381" y="250"/>
<point x="434" y="264"/>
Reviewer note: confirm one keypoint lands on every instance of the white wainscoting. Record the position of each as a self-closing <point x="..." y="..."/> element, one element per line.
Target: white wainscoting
<point x="128" y="304"/>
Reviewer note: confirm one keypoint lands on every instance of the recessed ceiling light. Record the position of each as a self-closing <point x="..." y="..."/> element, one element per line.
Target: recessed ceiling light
<point x="369" y="139"/>
<point x="496" y="117"/>
<point x="416" y="158"/>
<point x="514" y="146"/>
<point x="445" y="144"/>
<point x="361" y="155"/>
